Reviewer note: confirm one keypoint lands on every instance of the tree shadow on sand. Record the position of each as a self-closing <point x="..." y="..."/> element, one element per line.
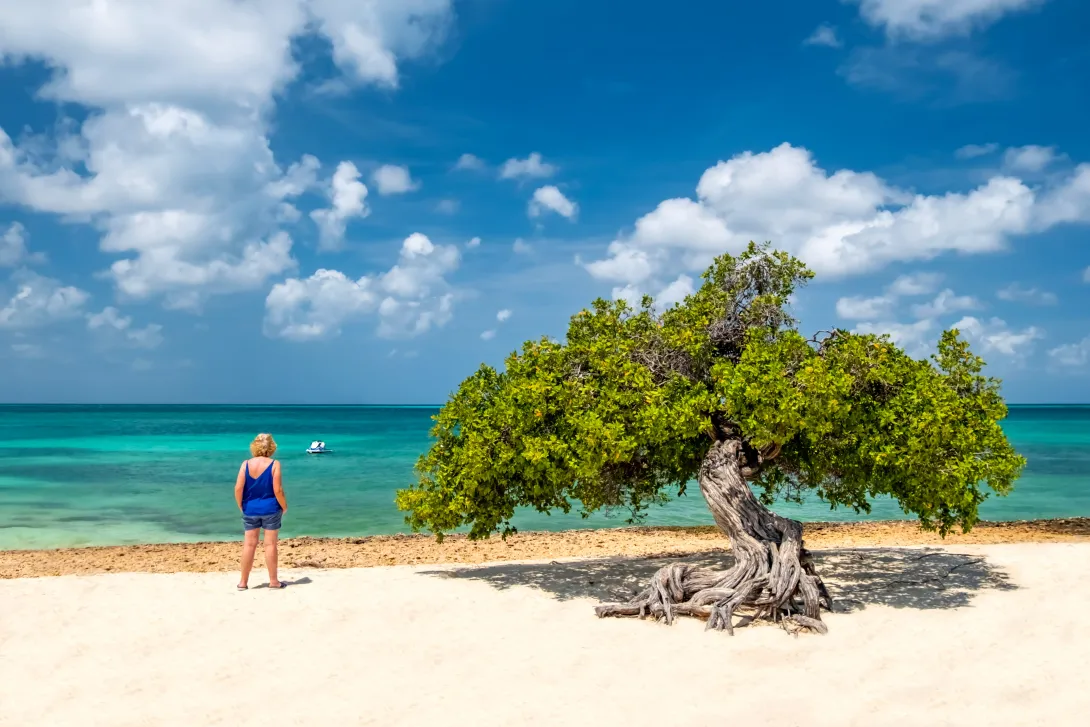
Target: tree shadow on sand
<point x="926" y="578"/>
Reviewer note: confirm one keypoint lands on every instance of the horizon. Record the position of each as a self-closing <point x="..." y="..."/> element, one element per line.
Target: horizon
<point x="235" y="201"/>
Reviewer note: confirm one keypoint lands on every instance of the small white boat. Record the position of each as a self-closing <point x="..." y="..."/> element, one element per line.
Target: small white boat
<point x="317" y="447"/>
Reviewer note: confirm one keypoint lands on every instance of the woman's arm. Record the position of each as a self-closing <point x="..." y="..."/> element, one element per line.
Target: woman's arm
<point x="240" y="482"/>
<point x="278" y="487"/>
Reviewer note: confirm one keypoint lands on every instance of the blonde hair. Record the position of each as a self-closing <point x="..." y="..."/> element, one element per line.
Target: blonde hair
<point x="263" y="446"/>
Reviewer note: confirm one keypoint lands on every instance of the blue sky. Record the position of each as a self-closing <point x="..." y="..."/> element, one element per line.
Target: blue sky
<point x="326" y="201"/>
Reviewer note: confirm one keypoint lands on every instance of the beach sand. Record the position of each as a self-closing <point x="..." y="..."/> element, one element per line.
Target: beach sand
<point x="968" y="634"/>
<point x="423" y="549"/>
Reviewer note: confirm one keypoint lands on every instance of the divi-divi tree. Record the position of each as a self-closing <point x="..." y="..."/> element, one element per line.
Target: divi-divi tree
<point x="724" y="391"/>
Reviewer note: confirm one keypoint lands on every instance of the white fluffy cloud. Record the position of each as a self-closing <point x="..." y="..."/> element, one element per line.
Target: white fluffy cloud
<point x="369" y="37"/>
<point x="503" y="315"/>
<point x="347" y="200"/>
<point x="860" y="309"/>
<point x="1066" y="202"/>
<point x="392" y="179"/>
<point x="915" y="284"/>
<point x="1029" y="159"/>
<point x="1016" y="293"/>
<point x="551" y="199"/>
<point x="488" y="335"/>
<point x="172" y="163"/>
<point x="881" y="306"/>
<point x="469" y="162"/>
<point x="935" y="19"/>
<point x="110" y="321"/>
<point x="532" y="167"/>
<point x="824" y="35"/>
<point x="474" y="242"/>
<point x="13" y="249"/>
<point x="409" y="299"/>
<point x="877" y="315"/>
<point x="39" y="300"/>
<point x="914" y="338"/>
<point x="839" y="223"/>
<point x="1071" y="355"/>
<point x="996" y="336"/>
<point x="945" y="303"/>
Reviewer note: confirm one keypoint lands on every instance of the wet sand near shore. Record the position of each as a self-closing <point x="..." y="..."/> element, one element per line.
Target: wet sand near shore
<point x="423" y="549"/>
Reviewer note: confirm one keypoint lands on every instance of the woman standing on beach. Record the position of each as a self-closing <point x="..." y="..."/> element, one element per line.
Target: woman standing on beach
<point x="259" y="493"/>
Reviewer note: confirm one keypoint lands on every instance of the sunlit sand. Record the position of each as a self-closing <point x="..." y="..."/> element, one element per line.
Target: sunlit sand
<point x="967" y="635"/>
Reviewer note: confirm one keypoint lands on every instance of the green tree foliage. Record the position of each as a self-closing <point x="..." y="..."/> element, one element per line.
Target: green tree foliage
<point x="622" y="413"/>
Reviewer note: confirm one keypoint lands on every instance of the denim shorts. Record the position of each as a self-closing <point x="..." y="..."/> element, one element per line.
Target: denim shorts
<point x="265" y="522"/>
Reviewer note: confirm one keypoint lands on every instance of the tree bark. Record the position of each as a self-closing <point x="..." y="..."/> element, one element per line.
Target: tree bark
<point x="773" y="577"/>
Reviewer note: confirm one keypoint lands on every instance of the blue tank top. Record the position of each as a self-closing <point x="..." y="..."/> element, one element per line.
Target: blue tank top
<point x="258" y="497"/>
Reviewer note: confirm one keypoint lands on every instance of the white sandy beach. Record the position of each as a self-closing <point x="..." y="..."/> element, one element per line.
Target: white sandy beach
<point x="947" y="639"/>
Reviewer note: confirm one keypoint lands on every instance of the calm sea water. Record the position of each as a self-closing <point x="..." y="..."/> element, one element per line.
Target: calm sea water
<point x="96" y="475"/>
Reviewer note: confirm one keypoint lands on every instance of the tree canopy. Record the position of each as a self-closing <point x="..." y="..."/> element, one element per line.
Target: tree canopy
<point x="622" y="412"/>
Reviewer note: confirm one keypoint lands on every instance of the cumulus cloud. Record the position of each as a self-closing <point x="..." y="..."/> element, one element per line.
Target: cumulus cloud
<point x="972" y="151"/>
<point x="929" y="20"/>
<point x="1016" y="293"/>
<point x="1067" y="201"/>
<point x="503" y="315"/>
<point x="392" y="179"/>
<point x="914" y="338"/>
<point x="881" y="306"/>
<point x="409" y="299"/>
<point x="877" y="315"/>
<point x="675" y="292"/>
<point x="13" y="249"/>
<point x="369" y="38"/>
<point x="1029" y="159"/>
<point x="859" y="308"/>
<point x="945" y="303"/>
<point x="1071" y="355"/>
<point x="824" y="35"/>
<point x="996" y="336"/>
<point x="347" y="200"/>
<point x="474" y="242"/>
<point x="173" y="163"/>
<point x="840" y="223"/>
<point x="550" y="199"/>
<point x="39" y="301"/>
<point x="469" y="162"/>
<point x="532" y="167"/>
<point x="111" y="322"/>
<point x="488" y="335"/>
<point x="915" y="284"/>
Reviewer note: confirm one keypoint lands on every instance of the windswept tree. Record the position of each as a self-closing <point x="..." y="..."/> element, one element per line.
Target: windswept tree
<point x="721" y="389"/>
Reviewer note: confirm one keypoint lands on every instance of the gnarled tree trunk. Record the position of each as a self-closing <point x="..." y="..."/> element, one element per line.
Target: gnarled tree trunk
<point x="773" y="576"/>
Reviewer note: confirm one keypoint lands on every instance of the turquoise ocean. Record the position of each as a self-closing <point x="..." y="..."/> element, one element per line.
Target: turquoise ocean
<point x="104" y="475"/>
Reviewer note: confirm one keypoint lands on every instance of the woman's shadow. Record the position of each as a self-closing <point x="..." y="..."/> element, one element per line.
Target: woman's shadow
<point x="289" y="583"/>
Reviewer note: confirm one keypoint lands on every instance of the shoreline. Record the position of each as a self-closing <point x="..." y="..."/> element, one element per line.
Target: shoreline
<point x="390" y="550"/>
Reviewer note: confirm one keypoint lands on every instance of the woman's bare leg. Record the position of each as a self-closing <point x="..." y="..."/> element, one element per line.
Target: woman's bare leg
<point x="270" y="556"/>
<point x="249" y="546"/>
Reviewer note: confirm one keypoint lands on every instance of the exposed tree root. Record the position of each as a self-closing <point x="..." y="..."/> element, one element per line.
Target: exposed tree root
<point x="773" y="577"/>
